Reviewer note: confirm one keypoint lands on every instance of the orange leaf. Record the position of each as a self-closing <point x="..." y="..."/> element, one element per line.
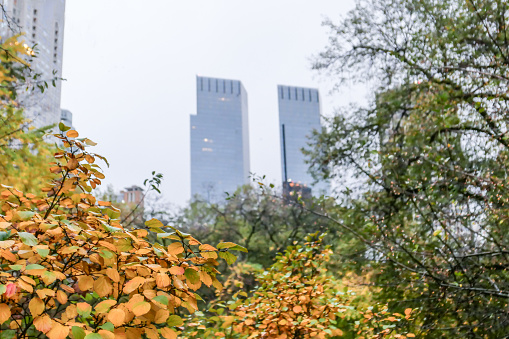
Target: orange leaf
<point x="58" y="331"/>
<point x="72" y="134"/>
<point x="161" y="316"/>
<point x="297" y="309"/>
<point x="141" y="308"/>
<point x="36" y="306"/>
<point x="5" y="313"/>
<point x="168" y="333"/>
<point x="116" y="317"/>
<point x="85" y="282"/>
<point x="113" y="274"/>
<point x="410" y="335"/>
<point x="61" y="297"/>
<point x="43" y="323"/>
<point x="177" y="270"/>
<point x="205" y="278"/>
<point x="104" y="306"/>
<point x="175" y="248"/>
<point x="133" y="284"/>
<point x="162" y="280"/>
<point x="103" y="287"/>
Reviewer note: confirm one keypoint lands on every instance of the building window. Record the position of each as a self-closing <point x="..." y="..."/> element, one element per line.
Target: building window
<point x="282" y="93"/>
<point x="34" y="28"/>
<point x="33" y="35"/>
<point x="206" y="149"/>
<point x="309" y="95"/>
<point x="296" y="94"/>
<point x="289" y="94"/>
<point x="303" y="95"/>
<point x="217" y="85"/>
<point x="35" y="12"/>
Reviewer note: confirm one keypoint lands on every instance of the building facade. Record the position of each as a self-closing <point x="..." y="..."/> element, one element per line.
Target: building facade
<point x="299" y="115"/>
<point x="42" y="24"/>
<point x="219" y="139"/>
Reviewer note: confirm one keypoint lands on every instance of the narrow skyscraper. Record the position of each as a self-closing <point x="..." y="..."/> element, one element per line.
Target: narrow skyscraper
<point x="219" y="139"/>
<point x="42" y="23"/>
<point x="299" y="114"/>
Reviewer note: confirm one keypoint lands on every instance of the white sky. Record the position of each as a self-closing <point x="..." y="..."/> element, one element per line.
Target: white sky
<point x="131" y="65"/>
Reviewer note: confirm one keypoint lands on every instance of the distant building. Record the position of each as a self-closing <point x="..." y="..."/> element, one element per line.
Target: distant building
<point x="66" y="117"/>
<point x="132" y="195"/>
<point x="42" y="22"/>
<point x="299" y="114"/>
<point x="219" y="138"/>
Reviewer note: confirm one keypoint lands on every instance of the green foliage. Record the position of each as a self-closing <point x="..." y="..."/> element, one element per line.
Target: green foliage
<point x="430" y="156"/>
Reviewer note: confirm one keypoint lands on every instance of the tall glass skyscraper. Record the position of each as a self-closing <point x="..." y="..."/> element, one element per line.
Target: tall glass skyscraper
<point x="299" y="113"/>
<point x="42" y="21"/>
<point x="219" y="138"/>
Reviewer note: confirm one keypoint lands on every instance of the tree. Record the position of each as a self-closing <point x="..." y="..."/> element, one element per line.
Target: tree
<point x="430" y="154"/>
<point x="70" y="268"/>
<point x="297" y="298"/>
<point x="23" y="152"/>
<point x="256" y="218"/>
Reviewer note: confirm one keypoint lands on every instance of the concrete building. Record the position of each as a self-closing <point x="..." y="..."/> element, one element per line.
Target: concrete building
<point x="42" y="23"/>
<point x="299" y="114"/>
<point x="132" y="195"/>
<point x="66" y="117"/>
<point x="219" y="139"/>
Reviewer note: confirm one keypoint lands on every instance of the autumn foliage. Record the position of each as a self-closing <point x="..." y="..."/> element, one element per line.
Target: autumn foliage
<point x="69" y="268"/>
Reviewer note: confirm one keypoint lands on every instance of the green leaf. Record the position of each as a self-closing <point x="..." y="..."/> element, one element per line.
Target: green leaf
<point x="108" y="327"/>
<point x="63" y="127"/>
<point x="5" y="235"/>
<point x="43" y="252"/>
<point x="7" y="334"/>
<point x="106" y="254"/>
<point x="153" y="223"/>
<point x="28" y="238"/>
<point x="225" y="245"/>
<point x="238" y="248"/>
<point x="16" y="267"/>
<point x="2" y="289"/>
<point x="174" y="320"/>
<point x="192" y="275"/>
<point x="78" y="332"/>
<point x="230" y="258"/>
<point x="25" y="215"/>
<point x="161" y="299"/>
<point x="34" y="267"/>
<point x="93" y="336"/>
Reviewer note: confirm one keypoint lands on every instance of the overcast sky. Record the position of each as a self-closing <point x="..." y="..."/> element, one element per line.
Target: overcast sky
<point x="130" y="69"/>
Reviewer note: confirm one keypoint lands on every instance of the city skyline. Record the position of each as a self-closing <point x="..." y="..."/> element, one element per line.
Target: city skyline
<point x="219" y="138"/>
<point x="42" y="23"/>
<point x="299" y="113"/>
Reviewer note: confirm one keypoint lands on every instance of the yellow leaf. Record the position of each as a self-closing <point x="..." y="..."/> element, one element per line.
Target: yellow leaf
<point x="161" y="316"/>
<point x="103" y="287"/>
<point x="162" y="280"/>
<point x="168" y="333"/>
<point x="113" y="274"/>
<point x="151" y="332"/>
<point x="43" y="323"/>
<point x="61" y="297"/>
<point x="85" y="282"/>
<point x="36" y="306"/>
<point x="141" y="308"/>
<point x="105" y="305"/>
<point x="58" y="331"/>
<point x="116" y="317"/>
<point x="205" y="278"/>
<point x="177" y="270"/>
<point x="410" y="335"/>
<point x="72" y="134"/>
<point x="133" y="284"/>
<point x="175" y="248"/>
<point x="5" y="313"/>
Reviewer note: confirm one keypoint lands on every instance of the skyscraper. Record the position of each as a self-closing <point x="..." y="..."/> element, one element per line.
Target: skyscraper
<point x="42" y="22"/>
<point x="219" y="138"/>
<point x="299" y="114"/>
